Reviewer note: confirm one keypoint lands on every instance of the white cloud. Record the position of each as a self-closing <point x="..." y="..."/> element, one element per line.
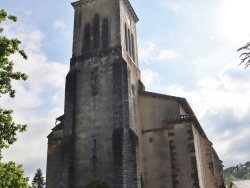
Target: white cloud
<point x="222" y="107"/>
<point x="234" y="18"/>
<point x="166" y="54"/>
<point x="59" y="24"/>
<point x="149" y="77"/>
<point x="152" y="51"/>
<point x="38" y="101"/>
<point x="31" y="147"/>
<point x="171" y="5"/>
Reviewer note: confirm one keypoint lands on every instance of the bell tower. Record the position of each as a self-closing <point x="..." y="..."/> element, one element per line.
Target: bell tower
<point x="101" y="128"/>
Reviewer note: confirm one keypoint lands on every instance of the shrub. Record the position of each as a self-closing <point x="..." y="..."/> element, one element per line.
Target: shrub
<point x="98" y="184"/>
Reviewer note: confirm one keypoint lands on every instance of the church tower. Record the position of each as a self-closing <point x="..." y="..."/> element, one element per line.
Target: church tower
<point x="112" y="129"/>
<point x="100" y="129"/>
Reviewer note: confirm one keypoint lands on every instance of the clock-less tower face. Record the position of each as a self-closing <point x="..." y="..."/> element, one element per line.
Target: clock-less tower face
<point x="128" y="18"/>
<point x="128" y="25"/>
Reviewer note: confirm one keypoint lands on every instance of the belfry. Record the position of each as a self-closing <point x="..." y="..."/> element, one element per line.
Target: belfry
<point x="112" y="129"/>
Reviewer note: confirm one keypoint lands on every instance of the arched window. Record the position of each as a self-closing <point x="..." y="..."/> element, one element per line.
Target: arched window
<point x="87" y="37"/>
<point x="105" y="33"/>
<point x="96" y="31"/>
<point x="126" y="36"/>
<point x="132" y="46"/>
<point x="129" y="42"/>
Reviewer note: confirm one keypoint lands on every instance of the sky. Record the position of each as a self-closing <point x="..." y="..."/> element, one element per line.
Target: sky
<point x="186" y="49"/>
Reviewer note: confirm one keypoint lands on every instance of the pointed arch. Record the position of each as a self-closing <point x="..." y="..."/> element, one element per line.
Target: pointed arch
<point x="96" y="31"/>
<point x="105" y="33"/>
<point x="129" y="42"/>
<point x="126" y="36"/>
<point x="132" y="47"/>
<point x="87" y="37"/>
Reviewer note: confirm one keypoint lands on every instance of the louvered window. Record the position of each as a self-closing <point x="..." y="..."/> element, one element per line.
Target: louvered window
<point x="132" y="46"/>
<point x="87" y="37"/>
<point x="126" y="37"/>
<point x="129" y="42"/>
<point x="96" y="31"/>
<point x="105" y="33"/>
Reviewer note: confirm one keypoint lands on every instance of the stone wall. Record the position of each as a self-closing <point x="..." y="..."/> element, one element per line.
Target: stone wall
<point x="66" y="163"/>
<point x="157" y="169"/>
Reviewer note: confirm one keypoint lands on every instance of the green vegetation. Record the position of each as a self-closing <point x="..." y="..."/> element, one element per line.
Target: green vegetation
<point x="38" y="180"/>
<point x="11" y="175"/>
<point x="8" y="47"/>
<point x="239" y="172"/>
<point x="98" y="184"/>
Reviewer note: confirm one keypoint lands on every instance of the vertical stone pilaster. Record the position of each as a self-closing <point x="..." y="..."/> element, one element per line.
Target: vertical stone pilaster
<point x="125" y="141"/>
<point x="117" y="143"/>
<point x="118" y="123"/>
<point x="131" y="171"/>
<point x="66" y="166"/>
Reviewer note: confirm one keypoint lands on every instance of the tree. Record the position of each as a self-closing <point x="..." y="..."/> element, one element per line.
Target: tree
<point x="38" y="180"/>
<point x="12" y="176"/>
<point x="8" y="47"/>
<point x="238" y="172"/>
<point x="245" y="55"/>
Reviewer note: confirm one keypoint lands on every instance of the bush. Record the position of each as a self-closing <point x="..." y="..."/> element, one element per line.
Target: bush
<point x="98" y="184"/>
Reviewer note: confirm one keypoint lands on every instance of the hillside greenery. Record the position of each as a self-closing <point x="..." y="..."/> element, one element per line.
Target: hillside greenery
<point x="238" y="172"/>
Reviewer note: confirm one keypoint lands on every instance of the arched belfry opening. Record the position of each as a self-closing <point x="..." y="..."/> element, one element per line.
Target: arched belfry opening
<point x="96" y="31"/>
<point x="105" y="33"/>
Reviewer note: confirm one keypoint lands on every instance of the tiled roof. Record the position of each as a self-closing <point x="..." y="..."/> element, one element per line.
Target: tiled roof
<point x="241" y="184"/>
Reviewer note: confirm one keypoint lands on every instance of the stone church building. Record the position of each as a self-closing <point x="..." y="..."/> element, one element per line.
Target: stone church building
<point x="112" y="128"/>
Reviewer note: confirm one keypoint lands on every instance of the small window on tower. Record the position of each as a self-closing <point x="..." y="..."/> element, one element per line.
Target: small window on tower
<point x="87" y="36"/>
<point x="96" y="31"/>
<point x="105" y="33"/>
<point x="95" y="149"/>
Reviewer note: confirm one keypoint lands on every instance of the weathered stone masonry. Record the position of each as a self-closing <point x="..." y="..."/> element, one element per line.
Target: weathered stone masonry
<point x="114" y="130"/>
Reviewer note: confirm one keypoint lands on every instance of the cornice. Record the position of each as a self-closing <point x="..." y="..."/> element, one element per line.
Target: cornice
<point x="131" y="10"/>
<point x="126" y="2"/>
<point x="84" y="2"/>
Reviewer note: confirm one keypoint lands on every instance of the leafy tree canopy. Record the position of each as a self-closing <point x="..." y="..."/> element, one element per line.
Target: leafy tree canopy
<point x="8" y="47"/>
<point x="38" y="180"/>
<point x="12" y="176"/>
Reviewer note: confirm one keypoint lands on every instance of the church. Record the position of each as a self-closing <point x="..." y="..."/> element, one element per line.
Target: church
<point x="113" y="129"/>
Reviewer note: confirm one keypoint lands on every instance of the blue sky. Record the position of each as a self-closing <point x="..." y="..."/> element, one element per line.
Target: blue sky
<point x="186" y="49"/>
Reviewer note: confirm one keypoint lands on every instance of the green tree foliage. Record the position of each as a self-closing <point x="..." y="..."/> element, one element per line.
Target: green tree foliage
<point x="8" y="47"/>
<point x="245" y="55"/>
<point x="238" y="172"/>
<point x="98" y="184"/>
<point x="38" y="180"/>
<point x="12" y="176"/>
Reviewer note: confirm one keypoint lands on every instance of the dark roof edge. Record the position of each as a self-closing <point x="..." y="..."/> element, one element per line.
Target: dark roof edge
<point x="182" y="100"/>
<point x="60" y="118"/>
<point x="185" y="105"/>
<point x="160" y="95"/>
